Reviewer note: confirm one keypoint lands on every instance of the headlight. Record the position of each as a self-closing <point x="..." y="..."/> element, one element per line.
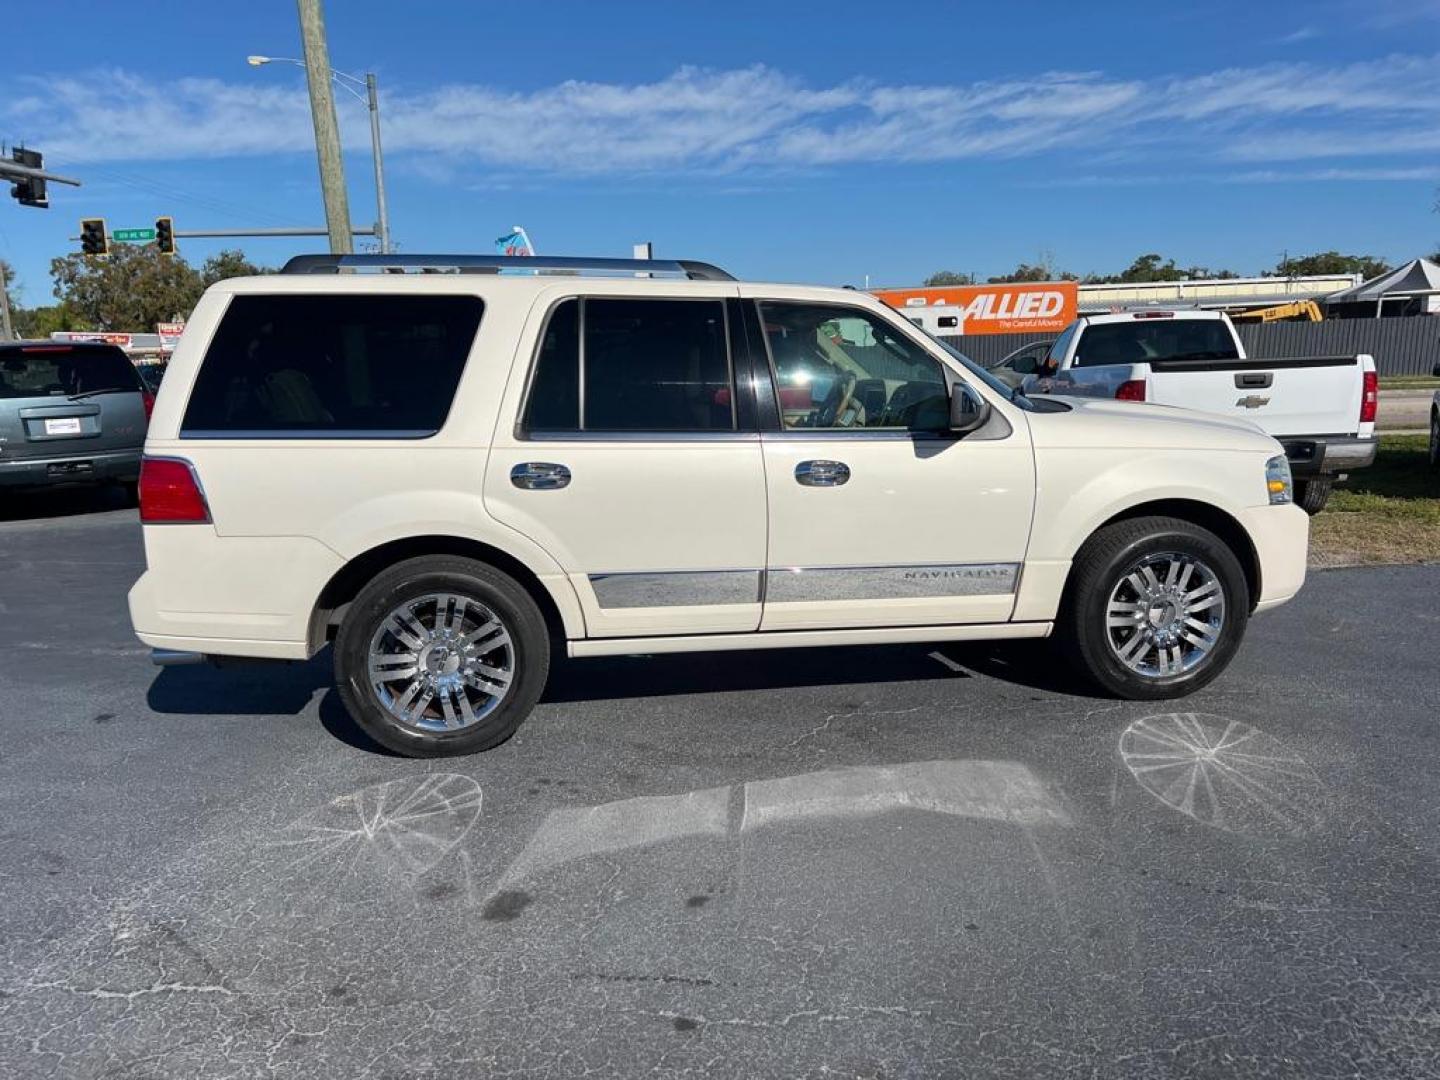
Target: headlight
<point x="1278" y="481"/>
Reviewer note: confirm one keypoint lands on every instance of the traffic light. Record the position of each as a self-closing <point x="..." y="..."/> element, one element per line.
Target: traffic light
<point x="30" y="190"/>
<point x="94" y="240"/>
<point x="165" y="235"/>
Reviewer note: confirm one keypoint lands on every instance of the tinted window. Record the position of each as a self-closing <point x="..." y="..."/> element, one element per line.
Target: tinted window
<point x="841" y="367"/>
<point x="555" y="390"/>
<point x="648" y="365"/>
<point x="62" y="371"/>
<point x="1155" y="339"/>
<point x="334" y="365"/>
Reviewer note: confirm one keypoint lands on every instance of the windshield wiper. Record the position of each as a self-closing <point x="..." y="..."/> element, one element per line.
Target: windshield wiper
<point x="104" y="390"/>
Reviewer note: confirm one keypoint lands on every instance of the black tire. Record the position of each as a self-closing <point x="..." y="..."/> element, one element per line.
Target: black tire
<point x="1103" y="562"/>
<point x="1312" y="495"/>
<point x="479" y="584"/>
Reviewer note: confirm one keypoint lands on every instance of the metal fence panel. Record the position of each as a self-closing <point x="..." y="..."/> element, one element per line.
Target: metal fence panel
<point x="1405" y="346"/>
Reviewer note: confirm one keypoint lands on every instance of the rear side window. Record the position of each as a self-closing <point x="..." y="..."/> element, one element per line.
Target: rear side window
<point x="61" y="371"/>
<point x="333" y="366"/>
<point x="1155" y="339"/>
<point x="643" y="365"/>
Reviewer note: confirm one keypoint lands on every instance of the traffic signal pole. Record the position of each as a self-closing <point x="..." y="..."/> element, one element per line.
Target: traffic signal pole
<point x="327" y="129"/>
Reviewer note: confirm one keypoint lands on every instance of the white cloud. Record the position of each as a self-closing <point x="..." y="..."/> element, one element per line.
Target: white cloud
<point x="757" y="119"/>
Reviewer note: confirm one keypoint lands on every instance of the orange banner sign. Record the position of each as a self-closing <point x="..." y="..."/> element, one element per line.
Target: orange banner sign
<point x="1031" y="308"/>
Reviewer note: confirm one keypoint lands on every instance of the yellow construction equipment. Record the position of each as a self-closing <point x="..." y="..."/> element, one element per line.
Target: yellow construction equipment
<point x="1299" y="310"/>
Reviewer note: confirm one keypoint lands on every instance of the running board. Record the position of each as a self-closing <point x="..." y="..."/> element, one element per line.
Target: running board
<point x="803" y="639"/>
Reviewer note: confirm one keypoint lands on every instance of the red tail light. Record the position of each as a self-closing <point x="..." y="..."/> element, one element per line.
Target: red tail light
<point x="170" y="492"/>
<point x="148" y="400"/>
<point x="1370" y="398"/>
<point x="1131" y="390"/>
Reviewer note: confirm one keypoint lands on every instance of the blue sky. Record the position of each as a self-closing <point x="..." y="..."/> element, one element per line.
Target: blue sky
<point x="782" y="140"/>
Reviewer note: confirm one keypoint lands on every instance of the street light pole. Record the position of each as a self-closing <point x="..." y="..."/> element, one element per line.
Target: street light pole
<point x="383" y="225"/>
<point x="372" y="102"/>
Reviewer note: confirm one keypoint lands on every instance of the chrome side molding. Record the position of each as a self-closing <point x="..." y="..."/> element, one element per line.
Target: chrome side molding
<point x="799" y="584"/>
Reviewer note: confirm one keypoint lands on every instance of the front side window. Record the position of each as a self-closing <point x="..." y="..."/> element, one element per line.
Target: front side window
<point x="615" y="365"/>
<point x="844" y="368"/>
<point x="333" y="365"/>
<point x="1056" y="355"/>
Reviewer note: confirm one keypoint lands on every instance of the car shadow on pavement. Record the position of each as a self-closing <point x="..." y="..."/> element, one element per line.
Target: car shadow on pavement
<point x="1030" y="664"/>
<point x="246" y="689"/>
<point x="287" y="689"/>
<point x="61" y="502"/>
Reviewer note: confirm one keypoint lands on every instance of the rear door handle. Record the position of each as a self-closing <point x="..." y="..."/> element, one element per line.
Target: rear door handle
<point x="822" y="473"/>
<point x="540" y="475"/>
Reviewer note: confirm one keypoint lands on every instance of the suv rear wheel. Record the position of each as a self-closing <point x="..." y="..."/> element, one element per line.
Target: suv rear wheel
<point x="1156" y="608"/>
<point x="441" y="655"/>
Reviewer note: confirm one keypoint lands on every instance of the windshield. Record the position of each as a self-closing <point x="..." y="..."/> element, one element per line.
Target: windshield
<point x="46" y="371"/>
<point x="1009" y="393"/>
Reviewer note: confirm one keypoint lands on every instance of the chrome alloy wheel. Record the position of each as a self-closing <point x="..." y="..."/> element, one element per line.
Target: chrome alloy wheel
<point x="441" y="662"/>
<point x="1165" y="615"/>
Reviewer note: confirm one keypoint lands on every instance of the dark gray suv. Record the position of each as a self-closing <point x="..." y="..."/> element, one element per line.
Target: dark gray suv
<point x="70" y="413"/>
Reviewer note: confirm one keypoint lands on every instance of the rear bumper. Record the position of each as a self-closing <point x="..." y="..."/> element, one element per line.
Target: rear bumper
<point x="1281" y="535"/>
<point x="70" y="468"/>
<point x="1315" y="455"/>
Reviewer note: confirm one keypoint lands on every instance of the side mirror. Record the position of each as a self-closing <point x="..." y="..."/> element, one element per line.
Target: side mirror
<point x="968" y="410"/>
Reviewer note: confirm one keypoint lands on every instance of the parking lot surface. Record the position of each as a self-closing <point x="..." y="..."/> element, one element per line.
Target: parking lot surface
<point x="887" y="862"/>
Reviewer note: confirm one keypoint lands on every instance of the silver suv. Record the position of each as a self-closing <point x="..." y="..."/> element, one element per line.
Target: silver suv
<point x="70" y="412"/>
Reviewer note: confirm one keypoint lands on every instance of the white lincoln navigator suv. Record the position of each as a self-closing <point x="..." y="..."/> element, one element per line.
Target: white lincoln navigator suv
<point x="451" y="474"/>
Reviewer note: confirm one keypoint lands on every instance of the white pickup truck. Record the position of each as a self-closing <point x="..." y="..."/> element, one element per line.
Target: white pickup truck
<point x="1320" y="408"/>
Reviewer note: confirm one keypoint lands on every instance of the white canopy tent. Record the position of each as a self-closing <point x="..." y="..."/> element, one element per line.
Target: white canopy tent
<point x="1417" y="278"/>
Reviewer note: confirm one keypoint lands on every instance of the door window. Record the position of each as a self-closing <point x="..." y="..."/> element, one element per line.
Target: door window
<point x="845" y="368"/>
<point x="1057" y="349"/>
<point x="632" y="365"/>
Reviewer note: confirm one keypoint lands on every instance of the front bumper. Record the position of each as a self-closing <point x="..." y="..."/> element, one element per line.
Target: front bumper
<point x="1316" y="455"/>
<point x="121" y="465"/>
<point x="1281" y="535"/>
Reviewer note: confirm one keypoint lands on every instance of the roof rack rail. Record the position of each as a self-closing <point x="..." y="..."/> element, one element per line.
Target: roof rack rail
<point x="495" y="264"/>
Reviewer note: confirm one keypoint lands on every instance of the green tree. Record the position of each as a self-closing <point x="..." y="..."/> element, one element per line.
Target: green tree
<point x="228" y="264"/>
<point x="133" y="289"/>
<point x="1331" y="262"/>
<point x="1023" y="272"/>
<point x="949" y="277"/>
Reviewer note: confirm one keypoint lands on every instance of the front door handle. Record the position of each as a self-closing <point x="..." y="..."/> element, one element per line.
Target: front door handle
<point x="540" y="475"/>
<point x="822" y="473"/>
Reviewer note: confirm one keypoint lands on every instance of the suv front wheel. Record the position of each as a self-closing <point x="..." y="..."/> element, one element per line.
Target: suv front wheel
<point x="441" y="655"/>
<point x="1156" y="608"/>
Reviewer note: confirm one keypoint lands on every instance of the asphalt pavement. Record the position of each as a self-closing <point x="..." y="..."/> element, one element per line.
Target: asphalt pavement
<point x="926" y="861"/>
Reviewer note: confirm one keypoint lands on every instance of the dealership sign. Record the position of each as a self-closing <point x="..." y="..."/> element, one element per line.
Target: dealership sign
<point x="1029" y="308"/>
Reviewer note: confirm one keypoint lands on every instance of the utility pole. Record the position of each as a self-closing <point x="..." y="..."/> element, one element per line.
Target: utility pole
<point x="7" y="332"/>
<point x="327" y="129"/>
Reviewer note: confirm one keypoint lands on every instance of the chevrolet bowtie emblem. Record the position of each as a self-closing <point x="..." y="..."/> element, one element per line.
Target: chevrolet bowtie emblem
<point x="1253" y="401"/>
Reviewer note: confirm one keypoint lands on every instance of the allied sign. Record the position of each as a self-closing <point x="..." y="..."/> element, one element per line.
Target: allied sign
<point x="1044" y="307"/>
<point x="133" y="236"/>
